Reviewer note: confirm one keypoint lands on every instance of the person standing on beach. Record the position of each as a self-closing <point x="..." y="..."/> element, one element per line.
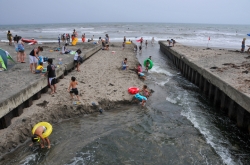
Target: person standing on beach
<point x="74" y="90"/>
<point x="33" y="56"/>
<point x="77" y="59"/>
<point x="173" y="41"/>
<point x="153" y="41"/>
<point x="75" y="33"/>
<point x="141" y="41"/>
<point x="9" y="37"/>
<point x="146" y="43"/>
<point x="20" y="46"/>
<point x="16" y="48"/>
<point x="68" y="38"/>
<point x="83" y="37"/>
<point x="107" y="39"/>
<point x="140" y="51"/>
<point x="123" y="45"/>
<point x="59" y="39"/>
<point x="124" y="39"/>
<point x="243" y="45"/>
<point x="51" y="75"/>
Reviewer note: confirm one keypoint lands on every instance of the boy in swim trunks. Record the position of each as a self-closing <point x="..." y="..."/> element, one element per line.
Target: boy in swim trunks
<point x="38" y="134"/>
<point x="141" y="99"/>
<point x="74" y="90"/>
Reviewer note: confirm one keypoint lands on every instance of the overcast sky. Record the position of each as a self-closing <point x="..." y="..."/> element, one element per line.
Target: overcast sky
<point x="166" y="11"/>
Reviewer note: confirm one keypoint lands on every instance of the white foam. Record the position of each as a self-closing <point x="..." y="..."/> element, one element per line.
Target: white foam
<point x="223" y="152"/>
<point x="88" y="28"/>
<point x="28" y="159"/>
<point x="171" y="100"/>
<point x="162" y="83"/>
<point x="157" y="69"/>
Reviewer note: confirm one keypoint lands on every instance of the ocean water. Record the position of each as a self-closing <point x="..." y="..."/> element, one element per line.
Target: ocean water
<point x="177" y="126"/>
<point x="225" y="36"/>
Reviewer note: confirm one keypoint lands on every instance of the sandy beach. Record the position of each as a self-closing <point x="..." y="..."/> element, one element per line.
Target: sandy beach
<point x="101" y="80"/>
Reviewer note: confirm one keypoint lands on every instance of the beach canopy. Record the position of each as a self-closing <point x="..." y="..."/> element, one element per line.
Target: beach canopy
<point x="4" y="56"/>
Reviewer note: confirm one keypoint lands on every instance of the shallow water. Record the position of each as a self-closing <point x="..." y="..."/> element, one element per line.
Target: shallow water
<point x="178" y="126"/>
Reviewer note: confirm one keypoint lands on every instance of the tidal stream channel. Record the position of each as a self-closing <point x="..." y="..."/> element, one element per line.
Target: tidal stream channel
<point x="177" y="126"/>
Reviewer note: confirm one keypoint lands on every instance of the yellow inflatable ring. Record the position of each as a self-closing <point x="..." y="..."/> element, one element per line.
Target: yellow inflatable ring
<point x="45" y="124"/>
<point x="128" y="42"/>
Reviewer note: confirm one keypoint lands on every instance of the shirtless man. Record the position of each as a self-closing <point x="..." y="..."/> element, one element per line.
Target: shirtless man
<point x="74" y="90"/>
<point x="38" y="134"/>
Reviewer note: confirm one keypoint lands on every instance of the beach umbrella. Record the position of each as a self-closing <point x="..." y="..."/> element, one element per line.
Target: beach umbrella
<point x="248" y="34"/>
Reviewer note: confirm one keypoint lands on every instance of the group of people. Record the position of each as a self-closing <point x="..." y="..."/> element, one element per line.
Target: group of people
<point x="172" y="41"/>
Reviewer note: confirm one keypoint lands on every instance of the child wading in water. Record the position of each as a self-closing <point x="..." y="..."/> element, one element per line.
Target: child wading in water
<point x="74" y="90"/>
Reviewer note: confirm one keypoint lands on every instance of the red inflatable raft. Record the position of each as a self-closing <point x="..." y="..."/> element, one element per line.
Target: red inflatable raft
<point x="133" y="90"/>
<point x="30" y="41"/>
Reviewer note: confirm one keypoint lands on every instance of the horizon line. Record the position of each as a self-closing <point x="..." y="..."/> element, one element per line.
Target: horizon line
<point x="120" y="22"/>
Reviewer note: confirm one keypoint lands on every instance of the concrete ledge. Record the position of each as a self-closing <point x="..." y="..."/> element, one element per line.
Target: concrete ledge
<point x="35" y="87"/>
<point x="222" y="95"/>
<point x="239" y="97"/>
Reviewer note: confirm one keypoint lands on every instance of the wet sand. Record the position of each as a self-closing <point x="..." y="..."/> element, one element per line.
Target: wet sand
<point x="101" y="80"/>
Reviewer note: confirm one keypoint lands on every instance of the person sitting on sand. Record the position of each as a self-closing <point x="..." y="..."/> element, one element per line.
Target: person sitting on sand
<point x="74" y="90"/>
<point x="51" y="75"/>
<point x="65" y="50"/>
<point x="248" y="50"/>
<point x="243" y="45"/>
<point x="140" y="98"/>
<point x="142" y="75"/>
<point x="38" y="134"/>
<point x="39" y="68"/>
<point x="145" y="91"/>
<point x="106" y="46"/>
<point x="138" y="68"/>
<point x="124" y="64"/>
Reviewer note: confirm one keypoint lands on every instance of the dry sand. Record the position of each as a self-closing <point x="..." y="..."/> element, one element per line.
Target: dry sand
<point x="230" y="65"/>
<point x="101" y="80"/>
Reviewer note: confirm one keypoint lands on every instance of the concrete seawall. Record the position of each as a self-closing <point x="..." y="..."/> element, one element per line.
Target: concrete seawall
<point x="222" y="94"/>
<point x="13" y="105"/>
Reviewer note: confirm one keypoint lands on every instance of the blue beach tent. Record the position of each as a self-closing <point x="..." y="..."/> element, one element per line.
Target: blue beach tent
<point x="4" y="56"/>
<point x="248" y="34"/>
